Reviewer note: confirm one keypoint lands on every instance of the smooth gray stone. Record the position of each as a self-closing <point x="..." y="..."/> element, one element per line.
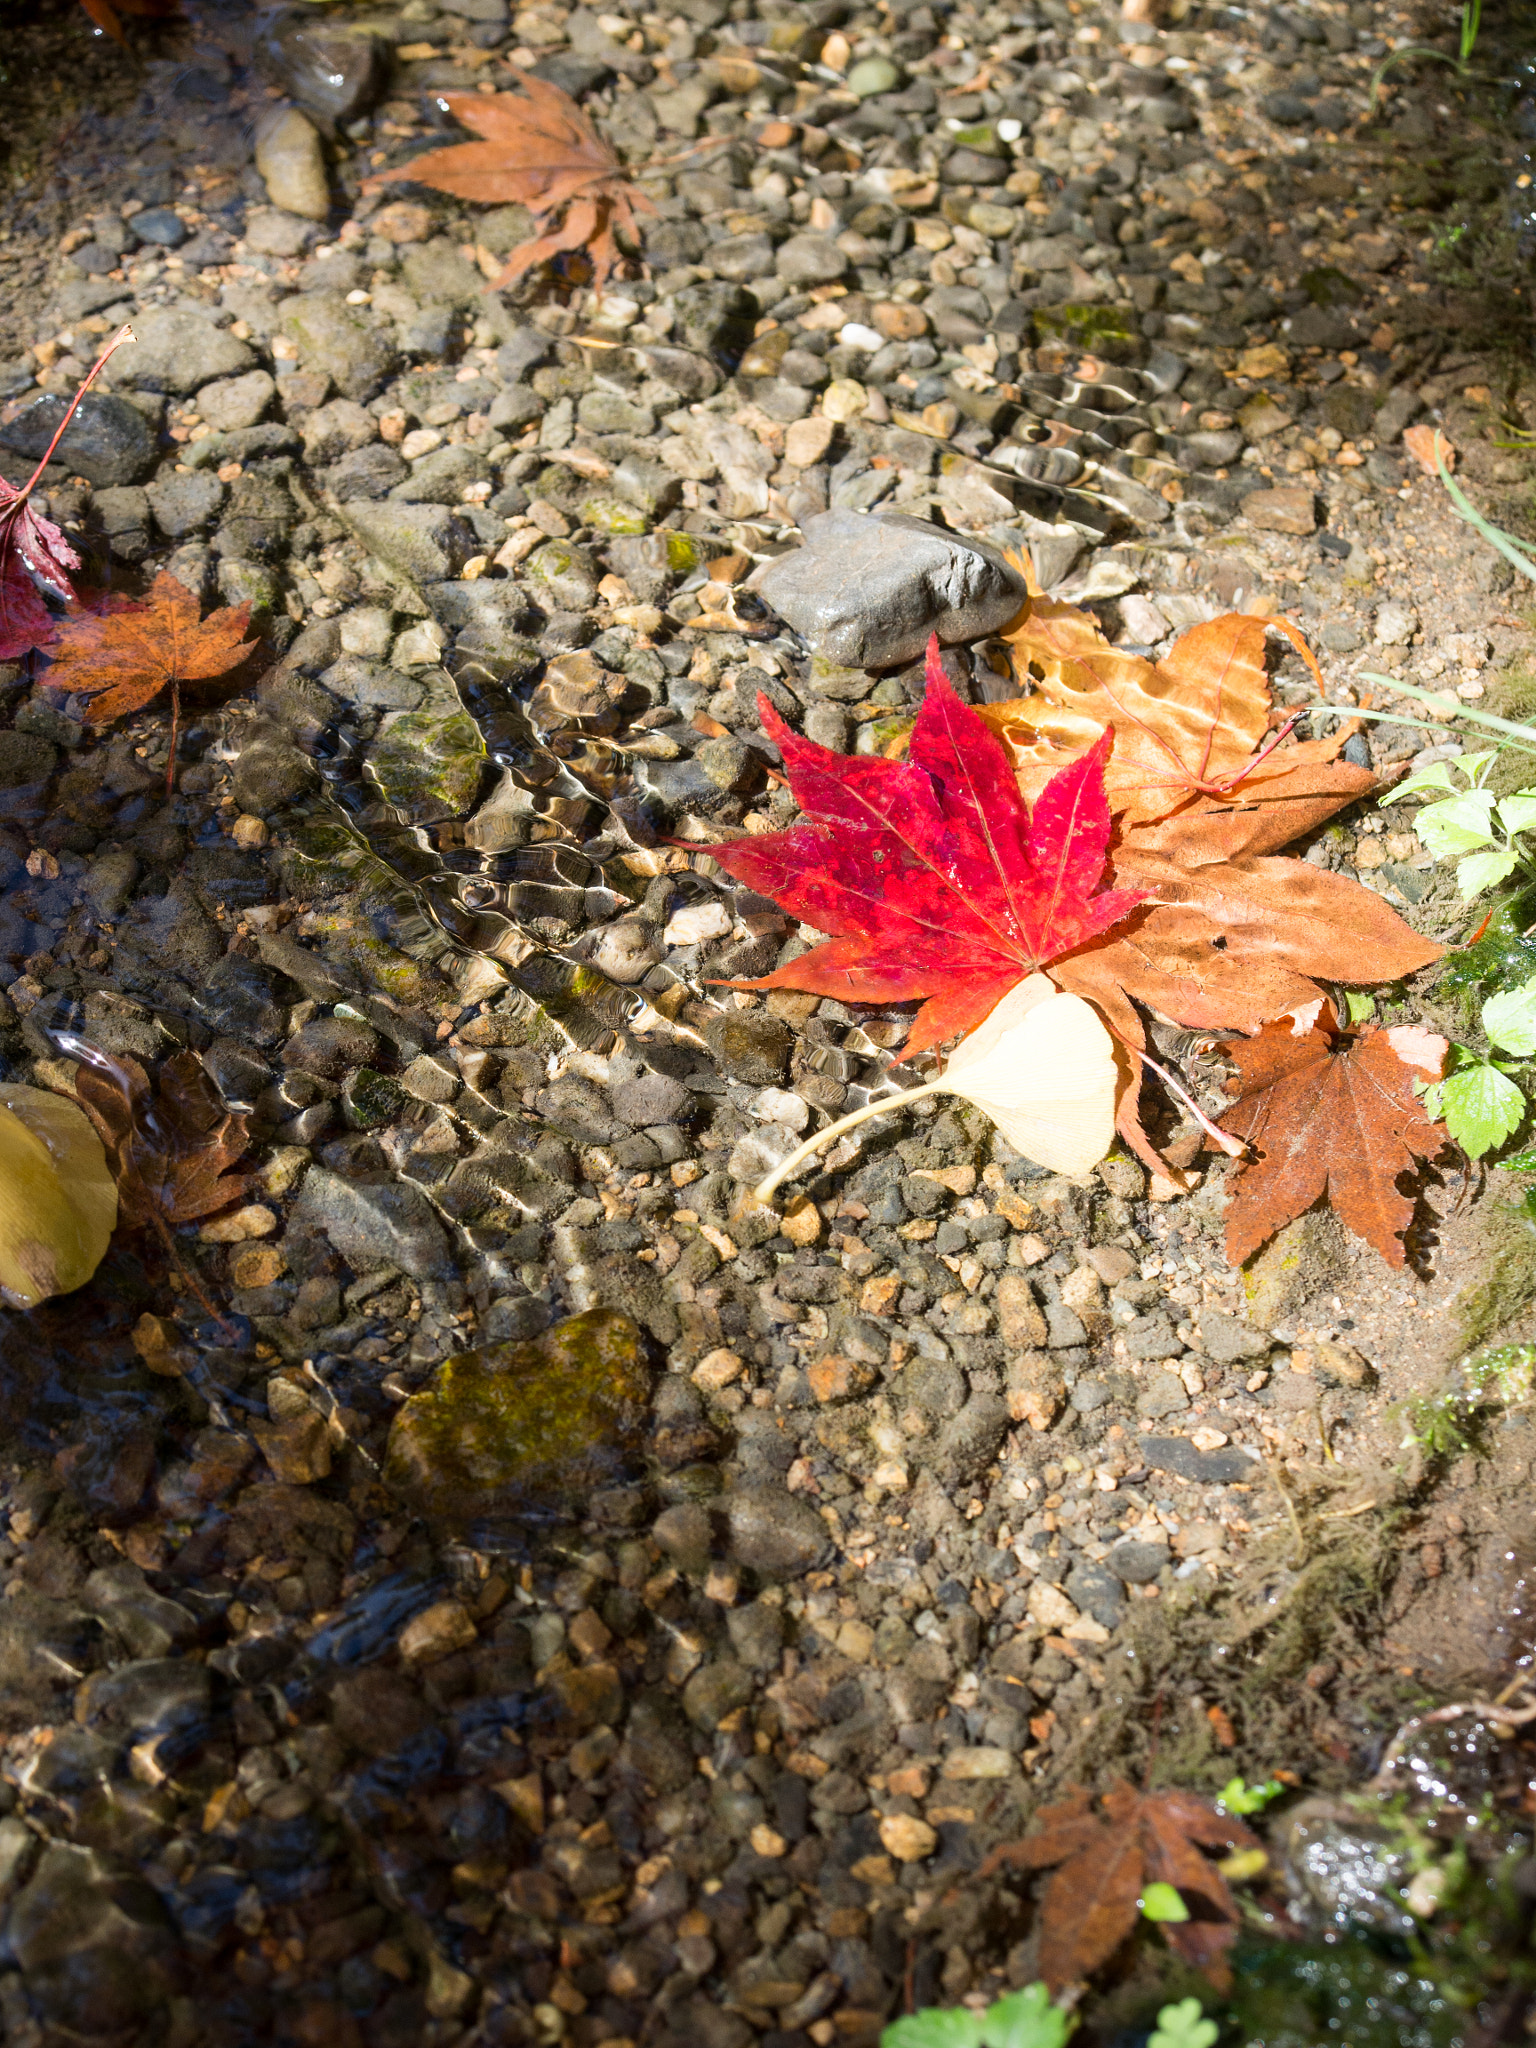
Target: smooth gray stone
<point x="866" y="591"/>
<point x="108" y="441"/>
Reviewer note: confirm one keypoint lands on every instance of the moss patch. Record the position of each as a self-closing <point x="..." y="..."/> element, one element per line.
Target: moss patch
<point x="519" y="1429"/>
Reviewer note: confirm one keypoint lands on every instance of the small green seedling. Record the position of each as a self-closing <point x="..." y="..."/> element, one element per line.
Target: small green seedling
<point x="1183" y="2026"/>
<point x="1024" y="2019"/>
<point x="1469" y="824"/>
<point x="1481" y="1105"/>
<point x="1238" y="1798"/>
<point x="1160" y="1902"/>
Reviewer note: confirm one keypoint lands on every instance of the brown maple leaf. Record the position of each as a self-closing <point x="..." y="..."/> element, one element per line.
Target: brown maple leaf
<point x="118" y="654"/>
<point x="170" y="1145"/>
<point x="1330" y="1113"/>
<point x="1105" y="1860"/>
<point x="539" y="150"/>
<point x="1233" y="935"/>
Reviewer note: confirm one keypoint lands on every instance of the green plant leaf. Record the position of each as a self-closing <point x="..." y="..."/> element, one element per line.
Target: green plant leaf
<point x="1479" y="871"/>
<point x="1236" y="1797"/>
<point x="1027" y="2019"/>
<point x="1510" y="1020"/>
<point x="1161" y="1902"/>
<point x="1184" y="2026"/>
<point x="1459" y="824"/>
<point x="934" y="2029"/>
<point x="1359" y="1005"/>
<point x="1517" y="813"/>
<point x="1481" y="1107"/>
<point x="1436" y="776"/>
<point x="1519" y="1162"/>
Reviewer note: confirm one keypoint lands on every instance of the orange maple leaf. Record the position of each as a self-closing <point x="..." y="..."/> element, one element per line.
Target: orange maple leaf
<point x="1330" y="1113"/>
<point x="119" y="654"/>
<point x="1190" y="725"/>
<point x="539" y="150"/>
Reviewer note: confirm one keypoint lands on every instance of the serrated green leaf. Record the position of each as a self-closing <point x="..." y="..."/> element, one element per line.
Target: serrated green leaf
<point x="1359" y="1005"/>
<point x="1027" y="2019"/>
<point x="1162" y="1903"/>
<point x="1517" y="813"/>
<point x="1510" y="1020"/>
<point x="1481" y="1108"/>
<point x="1479" y="871"/>
<point x="1519" y="1162"/>
<point x="1184" y="2026"/>
<point x="1436" y="776"/>
<point x="934" y="2029"/>
<point x="1461" y="824"/>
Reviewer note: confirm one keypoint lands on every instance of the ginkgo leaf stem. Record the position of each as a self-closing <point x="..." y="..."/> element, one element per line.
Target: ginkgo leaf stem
<point x="814" y="1143"/>
<point x="123" y="334"/>
<point x="1233" y="1147"/>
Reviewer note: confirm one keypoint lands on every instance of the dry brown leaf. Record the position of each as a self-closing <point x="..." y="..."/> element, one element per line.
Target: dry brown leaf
<point x="539" y="150"/>
<point x="1330" y="1113"/>
<point x="1190" y="726"/>
<point x="1105" y="1860"/>
<point x="1423" y="443"/>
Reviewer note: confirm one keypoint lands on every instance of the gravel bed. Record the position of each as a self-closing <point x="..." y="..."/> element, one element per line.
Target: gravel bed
<point x="655" y="1676"/>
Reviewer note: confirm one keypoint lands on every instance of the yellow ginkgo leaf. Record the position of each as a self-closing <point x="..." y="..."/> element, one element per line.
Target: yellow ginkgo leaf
<point x="1041" y="1065"/>
<point x="58" y="1201"/>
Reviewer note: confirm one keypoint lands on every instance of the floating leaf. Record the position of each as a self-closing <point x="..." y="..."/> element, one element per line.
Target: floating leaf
<point x="1106" y="1861"/>
<point x="34" y="555"/>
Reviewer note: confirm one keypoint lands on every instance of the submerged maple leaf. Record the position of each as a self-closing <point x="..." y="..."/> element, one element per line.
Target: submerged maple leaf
<point x="34" y="555"/>
<point x="1330" y="1113"/>
<point x="1107" y="1858"/>
<point x="537" y="149"/>
<point x="933" y="876"/>
<point x="120" y="655"/>
<point x="170" y="1145"/>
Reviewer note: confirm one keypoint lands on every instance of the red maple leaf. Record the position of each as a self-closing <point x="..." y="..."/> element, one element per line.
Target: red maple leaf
<point x="932" y="874"/>
<point x="33" y="551"/>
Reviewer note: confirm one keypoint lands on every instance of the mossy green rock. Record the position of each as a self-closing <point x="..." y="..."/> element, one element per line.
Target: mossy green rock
<point x="566" y="573"/>
<point x="612" y="515"/>
<point x="429" y="767"/>
<point x="1300" y="1261"/>
<point x="523" y="1428"/>
<point x="371" y="1099"/>
<point x="1113" y="332"/>
<point x="687" y="551"/>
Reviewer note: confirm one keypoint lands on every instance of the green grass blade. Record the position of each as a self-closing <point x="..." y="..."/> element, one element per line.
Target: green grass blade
<point x="1521" y="558"/>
